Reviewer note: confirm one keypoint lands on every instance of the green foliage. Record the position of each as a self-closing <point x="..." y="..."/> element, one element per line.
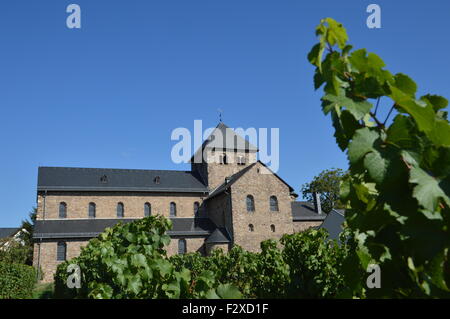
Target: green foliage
<point x="397" y="192"/>
<point x="27" y="235"/>
<point x="302" y="265"/>
<point x="43" y="291"/>
<point x="316" y="264"/>
<point x="16" y="281"/>
<point x="14" y="252"/>
<point x="327" y="184"/>
<point x="129" y="261"/>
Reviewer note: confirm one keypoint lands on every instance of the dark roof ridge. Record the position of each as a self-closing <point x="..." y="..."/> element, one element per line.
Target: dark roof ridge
<point x="117" y="169"/>
<point x="232" y="179"/>
<point x="78" y="178"/>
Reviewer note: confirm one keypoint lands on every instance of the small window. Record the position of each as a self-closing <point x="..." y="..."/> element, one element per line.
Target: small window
<point x="273" y="203"/>
<point x="120" y="210"/>
<point x="92" y="208"/>
<point x="223" y="159"/>
<point x="196" y="208"/>
<point x="147" y="209"/>
<point x="251" y="228"/>
<point x="272" y="228"/>
<point x="61" y="251"/>
<point x="241" y="160"/>
<point x="250" y="203"/>
<point x="104" y="179"/>
<point x="173" y="209"/>
<point x="62" y="210"/>
<point x="181" y="246"/>
<point x="157" y="180"/>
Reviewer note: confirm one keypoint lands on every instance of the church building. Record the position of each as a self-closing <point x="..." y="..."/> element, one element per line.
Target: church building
<point x="228" y="198"/>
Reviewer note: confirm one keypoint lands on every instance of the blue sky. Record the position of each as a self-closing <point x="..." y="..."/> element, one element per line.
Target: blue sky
<point x="110" y="94"/>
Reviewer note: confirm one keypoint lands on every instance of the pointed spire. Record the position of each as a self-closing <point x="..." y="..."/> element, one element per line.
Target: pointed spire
<point x="220" y="115"/>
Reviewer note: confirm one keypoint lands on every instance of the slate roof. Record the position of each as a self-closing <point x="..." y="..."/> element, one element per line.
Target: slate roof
<point x="225" y="138"/>
<point x="104" y="179"/>
<point x="191" y="227"/>
<point x="304" y="211"/>
<point x="219" y="236"/>
<point x="233" y="178"/>
<point x="8" y="232"/>
<point x="333" y="223"/>
<point x="90" y="228"/>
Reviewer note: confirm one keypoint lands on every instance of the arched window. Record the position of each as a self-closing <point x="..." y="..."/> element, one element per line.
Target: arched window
<point x="157" y="180"/>
<point x="273" y="203"/>
<point x="62" y="210"/>
<point x="251" y="228"/>
<point x="61" y="251"/>
<point x="120" y="210"/>
<point x="147" y="209"/>
<point x="223" y="159"/>
<point x="181" y="246"/>
<point x="250" y="203"/>
<point x="91" y="212"/>
<point x="272" y="228"/>
<point x="173" y="209"/>
<point x="196" y="208"/>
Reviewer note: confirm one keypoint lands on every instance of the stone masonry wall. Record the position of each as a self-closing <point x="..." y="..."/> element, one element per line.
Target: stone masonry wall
<point x="219" y="211"/>
<point x="106" y="204"/>
<point x="48" y="262"/>
<point x="47" y="259"/>
<point x="217" y="172"/>
<point x="192" y="245"/>
<point x="261" y="186"/>
<point x="304" y="225"/>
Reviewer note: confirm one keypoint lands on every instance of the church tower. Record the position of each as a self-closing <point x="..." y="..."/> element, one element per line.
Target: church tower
<point x="222" y="155"/>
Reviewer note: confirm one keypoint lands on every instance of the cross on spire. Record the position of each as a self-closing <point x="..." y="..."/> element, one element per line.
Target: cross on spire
<point x="220" y="114"/>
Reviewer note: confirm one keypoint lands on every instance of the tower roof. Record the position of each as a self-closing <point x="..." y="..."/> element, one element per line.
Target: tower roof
<point x="225" y="138"/>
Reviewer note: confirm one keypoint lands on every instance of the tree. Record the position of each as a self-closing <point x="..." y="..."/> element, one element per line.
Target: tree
<point x="398" y="187"/>
<point x="27" y="235"/>
<point x="327" y="184"/>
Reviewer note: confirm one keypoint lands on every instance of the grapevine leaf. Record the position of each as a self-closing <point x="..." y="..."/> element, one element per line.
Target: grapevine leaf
<point x="316" y="54"/>
<point x="135" y="284"/>
<point x="422" y="114"/>
<point x="427" y="190"/>
<point x="336" y="33"/>
<point x="358" y="109"/>
<point x="139" y="260"/>
<point x="361" y="144"/>
<point x="227" y="291"/>
<point x="376" y="166"/>
<point x="405" y="84"/>
<point x="400" y="132"/>
<point x="437" y="101"/>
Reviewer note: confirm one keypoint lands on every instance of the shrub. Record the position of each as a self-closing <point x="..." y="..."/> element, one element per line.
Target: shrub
<point x="129" y="261"/>
<point x="307" y="266"/>
<point x="16" y="281"/>
<point x="315" y="263"/>
<point x="14" y="252"/>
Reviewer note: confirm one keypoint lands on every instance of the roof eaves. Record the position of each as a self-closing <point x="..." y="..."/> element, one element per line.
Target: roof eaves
<point x="224" y="186"/>
<point x="306" y="218"/>
<point x="122" y="189"/>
